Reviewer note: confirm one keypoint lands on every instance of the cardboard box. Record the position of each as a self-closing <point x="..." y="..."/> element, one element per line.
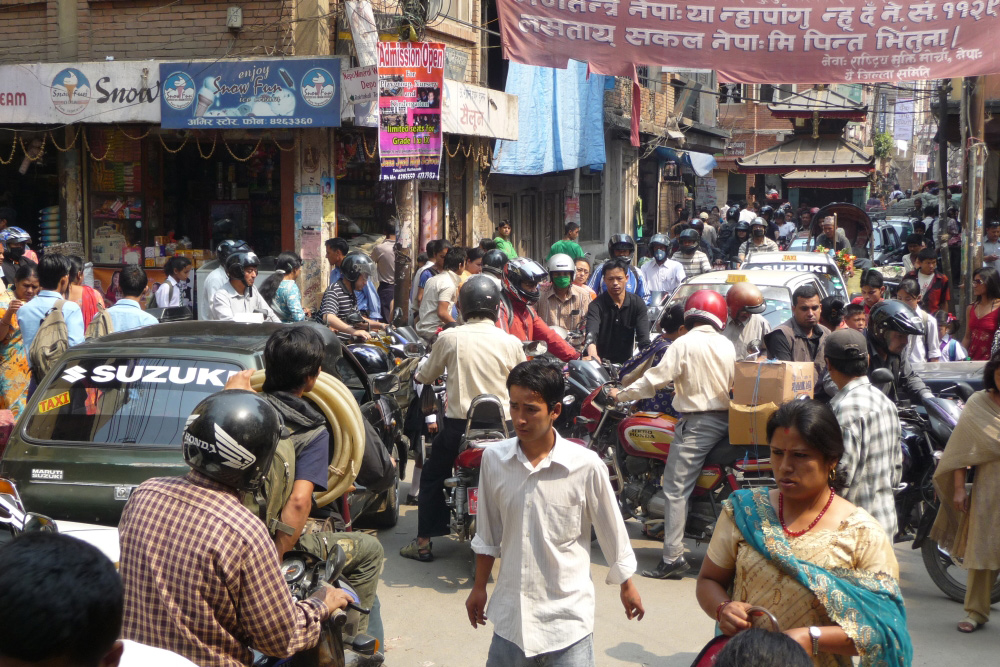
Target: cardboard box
<point x="748" y="423"/>
<point x="772" y="381"/>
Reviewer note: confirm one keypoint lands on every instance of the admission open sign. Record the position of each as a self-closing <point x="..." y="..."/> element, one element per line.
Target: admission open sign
<point x="769" y="41"/>
<point x="410" y="79"/>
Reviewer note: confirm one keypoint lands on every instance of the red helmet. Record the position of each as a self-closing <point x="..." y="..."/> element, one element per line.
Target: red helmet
<point x="709" y="306"/>
<point x="745" y="296"/>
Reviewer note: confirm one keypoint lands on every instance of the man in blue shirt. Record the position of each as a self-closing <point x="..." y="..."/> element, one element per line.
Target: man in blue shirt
<point x="368" y="299"/>
<point x="53" y="278"/>
<point x="621" y="245"/>
<point x="128" y="313"/>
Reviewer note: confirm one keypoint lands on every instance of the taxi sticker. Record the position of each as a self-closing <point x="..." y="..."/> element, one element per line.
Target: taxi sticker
<point x="736" y="278"/>
<point x="789" y="258"/>
<point x="54" y="402"/>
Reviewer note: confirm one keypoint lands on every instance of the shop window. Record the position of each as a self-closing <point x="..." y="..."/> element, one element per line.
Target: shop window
<point x="591" y="217"/>
<point x="458" y="9"/>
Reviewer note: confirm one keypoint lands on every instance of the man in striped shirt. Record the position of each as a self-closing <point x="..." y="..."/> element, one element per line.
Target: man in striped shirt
<point x="340" y="302"/>
<point x="872" y="464"/>
<point x="538" y="497"/>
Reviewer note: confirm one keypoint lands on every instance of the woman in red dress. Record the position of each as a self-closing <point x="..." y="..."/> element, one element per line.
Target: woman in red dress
<point x="983" y="315"/>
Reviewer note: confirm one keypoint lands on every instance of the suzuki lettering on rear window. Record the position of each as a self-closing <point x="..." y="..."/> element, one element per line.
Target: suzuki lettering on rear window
<point x="130" y="401"/>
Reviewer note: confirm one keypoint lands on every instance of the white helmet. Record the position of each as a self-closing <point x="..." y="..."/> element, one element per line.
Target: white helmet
<point x="561" y="262"/>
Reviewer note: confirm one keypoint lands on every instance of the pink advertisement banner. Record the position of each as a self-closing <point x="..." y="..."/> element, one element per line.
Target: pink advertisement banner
<point x="767" y="41"/>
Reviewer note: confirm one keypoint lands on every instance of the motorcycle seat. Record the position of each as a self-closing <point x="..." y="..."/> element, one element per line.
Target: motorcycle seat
<point x="724" y="454"/>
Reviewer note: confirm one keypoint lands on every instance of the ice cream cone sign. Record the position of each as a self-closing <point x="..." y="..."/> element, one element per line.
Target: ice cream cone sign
<point x="70" y="83"/>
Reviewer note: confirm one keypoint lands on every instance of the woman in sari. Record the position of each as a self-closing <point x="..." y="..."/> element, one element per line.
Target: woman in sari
<point x="14" y="370"/>
<point x="968" y="524"/>
<point x="90" y="300"/>
<point x="822" y="566"/>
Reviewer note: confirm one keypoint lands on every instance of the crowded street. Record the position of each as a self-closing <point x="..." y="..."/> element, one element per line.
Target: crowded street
<point x="516" y="333"/>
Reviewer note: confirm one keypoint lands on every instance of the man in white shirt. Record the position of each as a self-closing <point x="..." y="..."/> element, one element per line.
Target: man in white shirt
<point x="477" y="356"/>
<point x="662" y="274"/>
<point x="991" y="245"/>
<point x="702" y="366"/>
<point x="238" y="301"/>
<point x="440" y="295"/>
<point x="747" y="214"/>
<point x="218" y="277"/>
<point x="539" y="495"/>
<point x="786" y="225"/>
<point x="928" y="346"/>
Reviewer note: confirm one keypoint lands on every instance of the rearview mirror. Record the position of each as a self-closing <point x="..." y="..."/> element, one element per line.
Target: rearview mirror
<point x="37" y="523"/>
<point x="413" y="350"/>
<point x="385" y="383"/>
<point x="881" y="376"/>
<point x="535" y="348"/>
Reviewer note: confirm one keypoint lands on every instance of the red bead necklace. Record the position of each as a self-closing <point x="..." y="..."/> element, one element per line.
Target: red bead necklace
<point x="799" y="533"/>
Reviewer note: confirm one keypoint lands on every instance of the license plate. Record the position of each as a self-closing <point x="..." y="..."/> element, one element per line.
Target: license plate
<point x="473" y="500"/>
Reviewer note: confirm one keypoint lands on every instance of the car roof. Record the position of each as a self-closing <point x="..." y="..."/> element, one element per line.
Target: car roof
<point x="234" y="337"/>
<point x="761" y="277"/>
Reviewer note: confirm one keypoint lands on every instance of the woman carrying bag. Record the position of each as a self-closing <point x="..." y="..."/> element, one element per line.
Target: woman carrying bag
<point x="824" y="567"/>
<point x="968" y="524"/>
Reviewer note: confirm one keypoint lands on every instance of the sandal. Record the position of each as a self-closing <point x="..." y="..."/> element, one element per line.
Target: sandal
<point x="416" y="552"/>
<point x="969" y="624"/>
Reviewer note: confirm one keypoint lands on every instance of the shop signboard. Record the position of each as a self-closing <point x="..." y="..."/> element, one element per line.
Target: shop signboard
<point x="279" y="92"/>
<point x="479" y="112"/>
<point x="411" y="78"/>
<point x="97" y="92"/>
<point x="792" y="41"/>
<point x="920" y="164"/>
<point x="359" y="84"/>
<point x="903" y="128"/>
<point x="704" y="192"/>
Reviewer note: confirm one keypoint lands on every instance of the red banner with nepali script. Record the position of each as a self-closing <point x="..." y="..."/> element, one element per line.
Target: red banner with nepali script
<point x="768" y="41"/>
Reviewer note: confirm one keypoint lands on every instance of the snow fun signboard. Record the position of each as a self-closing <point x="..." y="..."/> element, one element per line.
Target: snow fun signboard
<point x="748" y="41"/>
<point x="410" y="80"/>
<point x="281" y="92"/>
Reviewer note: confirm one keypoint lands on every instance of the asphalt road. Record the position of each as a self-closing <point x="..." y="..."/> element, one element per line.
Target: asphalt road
<point x="423" y="610"/>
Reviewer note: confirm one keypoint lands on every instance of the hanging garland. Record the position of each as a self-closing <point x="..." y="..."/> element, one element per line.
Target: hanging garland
<point x="69" y="147"/>
<point x="364" y="140"/>
<point x="295" y="142"/>
<point x="128" y="136"/>
<point x="242" y="159"/>
<point x="41" y="149"/>
<point x="172" y="151"/>
<point x="13" y="147"/>
<point x="86" y="146"/>
<point x="197" y="142"/>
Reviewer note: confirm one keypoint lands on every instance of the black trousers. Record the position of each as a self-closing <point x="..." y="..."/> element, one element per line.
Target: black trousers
<point x="432" y="512"/>
<point x="385" y="293"/>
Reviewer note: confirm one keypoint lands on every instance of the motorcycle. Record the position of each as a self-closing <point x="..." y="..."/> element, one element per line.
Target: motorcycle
<point x="338" y="645"/>
<point x="582" y="378"/>
<point x="15" y="519"/>
<point x="635" y="448"/>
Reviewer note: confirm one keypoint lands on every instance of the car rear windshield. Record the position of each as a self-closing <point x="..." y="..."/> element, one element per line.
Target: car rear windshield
<point x="129" y="401"/>
<point x="776" y="299"/>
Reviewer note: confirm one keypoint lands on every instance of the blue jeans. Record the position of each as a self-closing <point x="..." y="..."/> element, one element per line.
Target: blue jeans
<point x="508" y="654"/>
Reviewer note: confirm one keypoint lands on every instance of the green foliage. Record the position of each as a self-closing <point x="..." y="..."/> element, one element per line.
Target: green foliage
<point x="882" y="144"/>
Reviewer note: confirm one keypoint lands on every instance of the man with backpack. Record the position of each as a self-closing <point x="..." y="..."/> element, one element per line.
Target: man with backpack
<point x="127" y="313"/>
<point x="50" y="324"/>
<point x="292" y="357"/>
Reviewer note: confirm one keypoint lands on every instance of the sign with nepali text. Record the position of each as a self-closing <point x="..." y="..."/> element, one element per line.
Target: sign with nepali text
<point x="791" y="41"/>
<point x="410" y="79"/>
<point x="266" y="93"/>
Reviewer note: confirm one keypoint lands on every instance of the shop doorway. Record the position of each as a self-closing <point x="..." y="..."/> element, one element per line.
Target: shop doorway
<point x="31" y="188"/>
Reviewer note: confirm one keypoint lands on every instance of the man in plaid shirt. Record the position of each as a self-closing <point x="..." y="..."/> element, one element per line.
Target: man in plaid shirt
<point x="200" y="571"/>
<point x="872" y="464"/>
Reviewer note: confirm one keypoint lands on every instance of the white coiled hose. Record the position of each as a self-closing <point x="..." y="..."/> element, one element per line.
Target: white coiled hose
<point x="343" y="414"/>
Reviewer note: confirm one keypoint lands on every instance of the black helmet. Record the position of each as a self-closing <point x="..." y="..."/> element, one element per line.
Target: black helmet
<point x="355" y="265"/>
<point x="687" y="235"/>
<point x="621" y="240"/>
<point x="373" y="359"/>
<point x="479" y="297"/>
<point x="758" y="222"/>
<point x="743" y="226"/>
<point x="659" y="239"/>
<point x="238" y="262"/>
<point x="231" y="437"/>
<point x="766" y="211"/>
<point x="886" y="316"/>
<point x="698" y="225"/>
<point x="521" y="269"/>
<point x="494" y="261"/>
<point x="733" y="214"/>
<point x="228" y="247"/>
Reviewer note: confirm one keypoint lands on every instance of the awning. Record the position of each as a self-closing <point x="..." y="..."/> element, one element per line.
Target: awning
<point x="802" y="152"/>
<point x="826" y="180"/>
<point x="828" y="103"/>
<point x="701" y="163"/>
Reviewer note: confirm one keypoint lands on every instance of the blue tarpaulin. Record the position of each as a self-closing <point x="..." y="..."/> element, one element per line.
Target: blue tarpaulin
<point x="702" y="163"/>
<point x="560" y="120"/>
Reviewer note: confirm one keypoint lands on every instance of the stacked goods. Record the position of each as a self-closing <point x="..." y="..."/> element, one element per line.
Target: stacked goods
<point x="67" y="248"/>
<point x="758" y="390"/>
<point x="106" y="245"/>
<point x="49" y="226"/>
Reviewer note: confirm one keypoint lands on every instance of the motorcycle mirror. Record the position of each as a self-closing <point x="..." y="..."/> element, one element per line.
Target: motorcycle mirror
<point x="881" y="376"/>
<point x="562" y="332"/>
<point x="756" y="346"/>
<point x="354" y="319"/>
<point x="37" y="523"/>
<point x="385" y="383"/>
<point x="535" y="348"/>
<point x="413" y="350"/>
<point x="364" y="644"/>
<point x="568" y="399"/>
<point x="335" y="564"/>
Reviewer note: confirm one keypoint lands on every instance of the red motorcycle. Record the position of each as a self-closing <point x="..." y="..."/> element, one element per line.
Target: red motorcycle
<point x="635" y="448"/>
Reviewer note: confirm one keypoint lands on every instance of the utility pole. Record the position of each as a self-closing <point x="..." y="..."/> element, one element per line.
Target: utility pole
<point x="942" y="178"/>
<point x="973" y="94"/>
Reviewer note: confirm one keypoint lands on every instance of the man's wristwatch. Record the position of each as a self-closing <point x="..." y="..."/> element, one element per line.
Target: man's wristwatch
<point x="814" y="634"/>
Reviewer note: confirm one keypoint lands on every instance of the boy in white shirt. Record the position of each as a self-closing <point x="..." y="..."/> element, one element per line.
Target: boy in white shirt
<point x="919" y="348"/>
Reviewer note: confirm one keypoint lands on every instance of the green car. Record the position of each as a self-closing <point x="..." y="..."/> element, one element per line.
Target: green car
<point x="111" y="413"/>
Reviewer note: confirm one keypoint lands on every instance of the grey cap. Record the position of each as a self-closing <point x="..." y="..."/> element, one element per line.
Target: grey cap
<point x="846" y="345"/>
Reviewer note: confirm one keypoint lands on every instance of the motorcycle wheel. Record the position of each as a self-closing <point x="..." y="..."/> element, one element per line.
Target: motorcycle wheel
<point x="942" y="568"/>
<point x="388" y="517"/>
